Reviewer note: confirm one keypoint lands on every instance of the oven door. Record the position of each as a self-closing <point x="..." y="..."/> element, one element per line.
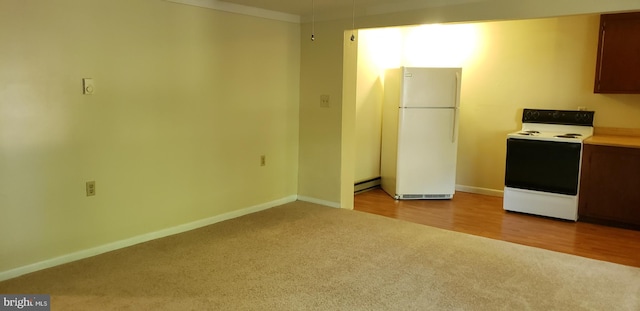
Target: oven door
<point x="543" y="165"/>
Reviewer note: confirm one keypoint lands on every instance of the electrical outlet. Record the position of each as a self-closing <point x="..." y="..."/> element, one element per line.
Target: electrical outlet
<point x="91" y="188"/>
<point x="263" y="160"/>
<point x="324" y="101"/>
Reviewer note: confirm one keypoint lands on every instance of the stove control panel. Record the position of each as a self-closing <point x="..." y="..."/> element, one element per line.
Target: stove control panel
<point x="566" y="117"/>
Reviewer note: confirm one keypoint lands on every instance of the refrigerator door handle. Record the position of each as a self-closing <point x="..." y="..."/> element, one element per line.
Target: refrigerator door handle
<point x="455" y="108"/>
<point x="453" y="130"/>
<point x="457" y="90"/>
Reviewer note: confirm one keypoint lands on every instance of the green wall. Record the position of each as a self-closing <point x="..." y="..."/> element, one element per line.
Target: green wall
<point x="187" y="100"/>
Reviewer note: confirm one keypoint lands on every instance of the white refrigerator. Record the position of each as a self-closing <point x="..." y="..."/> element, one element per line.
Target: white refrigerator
<point x="420" y="132"/>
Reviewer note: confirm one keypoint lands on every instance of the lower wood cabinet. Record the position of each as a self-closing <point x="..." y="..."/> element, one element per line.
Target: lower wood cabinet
<point x="610" y="185"/>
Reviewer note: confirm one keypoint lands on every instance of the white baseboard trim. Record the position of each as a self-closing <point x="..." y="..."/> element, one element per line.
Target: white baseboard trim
<point x="9" y="274"/>
<point x="478" y="190"/>
<point x="319" y="201"/>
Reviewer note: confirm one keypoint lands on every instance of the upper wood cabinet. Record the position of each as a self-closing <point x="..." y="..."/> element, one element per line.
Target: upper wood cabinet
<point x="618" y="65"/>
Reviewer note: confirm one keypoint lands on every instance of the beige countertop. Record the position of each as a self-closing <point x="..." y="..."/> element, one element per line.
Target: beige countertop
<point x="617" y="137"/>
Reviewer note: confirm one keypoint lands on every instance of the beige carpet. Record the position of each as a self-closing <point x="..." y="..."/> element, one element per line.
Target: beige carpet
<point x="302" y="256"/>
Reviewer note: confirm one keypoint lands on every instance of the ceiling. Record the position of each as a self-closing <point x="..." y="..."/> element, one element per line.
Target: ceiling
<point x="385" y="13"/>
<point x="342" y="8"/>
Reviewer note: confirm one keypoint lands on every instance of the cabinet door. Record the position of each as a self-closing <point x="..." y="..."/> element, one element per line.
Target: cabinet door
<point x="618" y="65"/>
<point x="609" y="184"/>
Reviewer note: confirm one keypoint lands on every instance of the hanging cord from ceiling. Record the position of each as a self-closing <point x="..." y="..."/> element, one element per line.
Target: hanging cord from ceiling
<point x="353" y="22"/>
<point x="313" y="21"/>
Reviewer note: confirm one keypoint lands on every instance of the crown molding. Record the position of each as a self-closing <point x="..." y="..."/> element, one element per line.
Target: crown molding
<point x="241" y="9"/>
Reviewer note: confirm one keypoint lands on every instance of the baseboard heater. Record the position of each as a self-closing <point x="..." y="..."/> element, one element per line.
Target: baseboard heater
<point x="366" y="185"/>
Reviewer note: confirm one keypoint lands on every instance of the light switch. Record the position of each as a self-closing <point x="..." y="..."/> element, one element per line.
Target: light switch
<point x="88" y="87"/>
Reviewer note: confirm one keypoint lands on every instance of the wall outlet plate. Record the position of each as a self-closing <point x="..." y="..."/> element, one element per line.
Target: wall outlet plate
<point x="91" y="188"/>
<point x="324" y="100"/>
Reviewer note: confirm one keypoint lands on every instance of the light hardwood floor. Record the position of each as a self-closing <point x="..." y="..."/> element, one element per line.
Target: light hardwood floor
<point x="483" y="216"/>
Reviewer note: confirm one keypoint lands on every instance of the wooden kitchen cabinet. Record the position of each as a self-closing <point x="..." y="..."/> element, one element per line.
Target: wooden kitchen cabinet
<point x="610" y="185"/>
<point x="618" y="62"/>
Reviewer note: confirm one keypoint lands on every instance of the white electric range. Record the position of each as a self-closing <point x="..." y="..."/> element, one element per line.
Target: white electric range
<point x="543" y="162"/>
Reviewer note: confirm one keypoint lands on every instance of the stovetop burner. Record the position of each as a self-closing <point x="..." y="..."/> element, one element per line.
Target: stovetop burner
<point x="569" y="135"/>
<point x="553" y="134"/>
<point x="528" y="133"/>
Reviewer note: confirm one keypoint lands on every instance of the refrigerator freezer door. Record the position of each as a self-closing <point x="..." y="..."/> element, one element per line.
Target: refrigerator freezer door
<point x="427" y="151"/>
<point x="430" y="87"/>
